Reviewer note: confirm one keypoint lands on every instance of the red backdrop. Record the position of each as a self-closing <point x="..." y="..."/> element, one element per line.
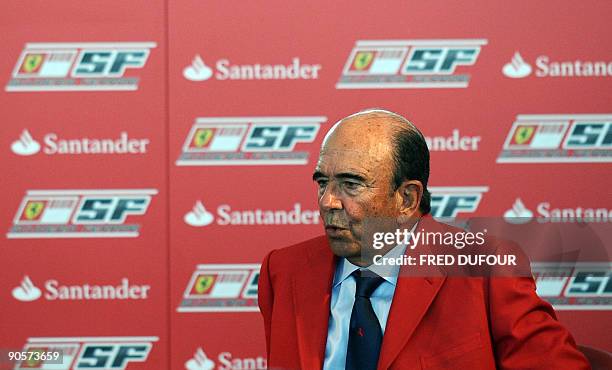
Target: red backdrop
<point x="155" y="151"/>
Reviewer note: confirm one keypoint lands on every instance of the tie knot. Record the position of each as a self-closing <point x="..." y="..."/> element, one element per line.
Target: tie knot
<point x="367" y="282"/>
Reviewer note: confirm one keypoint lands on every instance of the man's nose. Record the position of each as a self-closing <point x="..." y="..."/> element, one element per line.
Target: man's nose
<point x="329" y="199"/>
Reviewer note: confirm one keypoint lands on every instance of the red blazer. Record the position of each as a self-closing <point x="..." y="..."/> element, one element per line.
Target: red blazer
<point x="434" y="322"/>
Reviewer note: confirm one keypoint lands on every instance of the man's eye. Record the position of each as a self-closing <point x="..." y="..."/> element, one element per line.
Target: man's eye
<point x="352" y="185"/>
<point x="322" y="183"/>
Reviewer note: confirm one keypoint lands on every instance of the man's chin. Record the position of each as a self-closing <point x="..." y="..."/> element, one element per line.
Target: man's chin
<point x="344" y="248"/>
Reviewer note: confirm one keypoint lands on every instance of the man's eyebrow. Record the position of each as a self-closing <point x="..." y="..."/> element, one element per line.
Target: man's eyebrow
<point x="343" y="175"/>
<point x="317" y="174"/>
<point x="350" y="175"/>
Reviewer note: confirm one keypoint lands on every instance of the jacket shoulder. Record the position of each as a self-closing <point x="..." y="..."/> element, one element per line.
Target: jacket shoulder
<point x="287" y="260"/>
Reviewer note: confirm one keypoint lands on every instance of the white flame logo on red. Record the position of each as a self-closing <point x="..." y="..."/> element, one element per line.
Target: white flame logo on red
<point x="197" y="70"/>
<point x="199" y="361"/>
<point x="198" y="216"/>
<point x="26" y="291"/>
<point x="518" y="214"/>
<point x="517" y="68"/>
<point x="25" y="145"/>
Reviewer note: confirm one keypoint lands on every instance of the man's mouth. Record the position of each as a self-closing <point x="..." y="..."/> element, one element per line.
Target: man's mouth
<point x="334" y="230"/>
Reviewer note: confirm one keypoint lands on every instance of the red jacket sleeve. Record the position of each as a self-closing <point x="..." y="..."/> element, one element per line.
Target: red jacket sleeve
<point x="265" y="298"/>
<point x="525" y="330"/>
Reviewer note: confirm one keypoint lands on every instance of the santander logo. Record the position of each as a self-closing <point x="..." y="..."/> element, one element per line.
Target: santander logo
<point x="25" y="145"/>
<point x="199" y="216"/>
<point x="26" y="291"/>
<point x="517" y="68"/>
<point x="197" y="70"/>
<point x="518" y="214"/>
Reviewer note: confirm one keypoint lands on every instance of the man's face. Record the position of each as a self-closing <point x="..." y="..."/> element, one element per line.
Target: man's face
<point x="354" y="179"/>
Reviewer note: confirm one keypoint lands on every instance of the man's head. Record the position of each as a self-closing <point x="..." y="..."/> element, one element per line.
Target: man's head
<point x="372" y="171"/>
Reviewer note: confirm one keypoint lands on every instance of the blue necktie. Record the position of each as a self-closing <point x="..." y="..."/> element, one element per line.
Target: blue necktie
<point x="365" y="334"/>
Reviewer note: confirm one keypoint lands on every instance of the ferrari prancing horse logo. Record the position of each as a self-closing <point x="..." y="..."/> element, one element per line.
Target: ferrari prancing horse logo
<point x="523" y="134"/>
<point x="363" y="60"/>
<point x="204" y="283"/>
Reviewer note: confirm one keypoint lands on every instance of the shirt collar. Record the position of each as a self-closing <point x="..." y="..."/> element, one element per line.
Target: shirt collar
<point x="344" y="269"/>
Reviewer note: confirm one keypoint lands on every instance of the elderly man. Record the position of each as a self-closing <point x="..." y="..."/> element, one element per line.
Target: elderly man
<point x="326" y="305"/>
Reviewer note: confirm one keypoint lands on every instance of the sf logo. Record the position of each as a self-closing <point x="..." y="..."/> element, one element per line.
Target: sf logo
<point x="108" y="63"/>
<point x="112" y="210"/>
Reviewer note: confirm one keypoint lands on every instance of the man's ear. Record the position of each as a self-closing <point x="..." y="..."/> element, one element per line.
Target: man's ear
<point x="410" y="193"/>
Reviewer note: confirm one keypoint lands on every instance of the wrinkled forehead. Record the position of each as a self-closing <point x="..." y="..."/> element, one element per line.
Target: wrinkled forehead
<point x="334" y="163"/>
<point x="356" y="146"/>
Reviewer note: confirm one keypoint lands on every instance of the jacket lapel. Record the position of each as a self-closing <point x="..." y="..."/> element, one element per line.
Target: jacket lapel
<point x="411" y="300"/>
<point x="311" y="306"/>
<point x="412" y="297"/>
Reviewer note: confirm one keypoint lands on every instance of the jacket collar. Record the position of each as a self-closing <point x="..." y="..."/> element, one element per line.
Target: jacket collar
<point x="412" y="298"/>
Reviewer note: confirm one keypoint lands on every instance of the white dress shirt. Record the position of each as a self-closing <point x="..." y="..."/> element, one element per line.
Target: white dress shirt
<point x="343" y="298"/>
